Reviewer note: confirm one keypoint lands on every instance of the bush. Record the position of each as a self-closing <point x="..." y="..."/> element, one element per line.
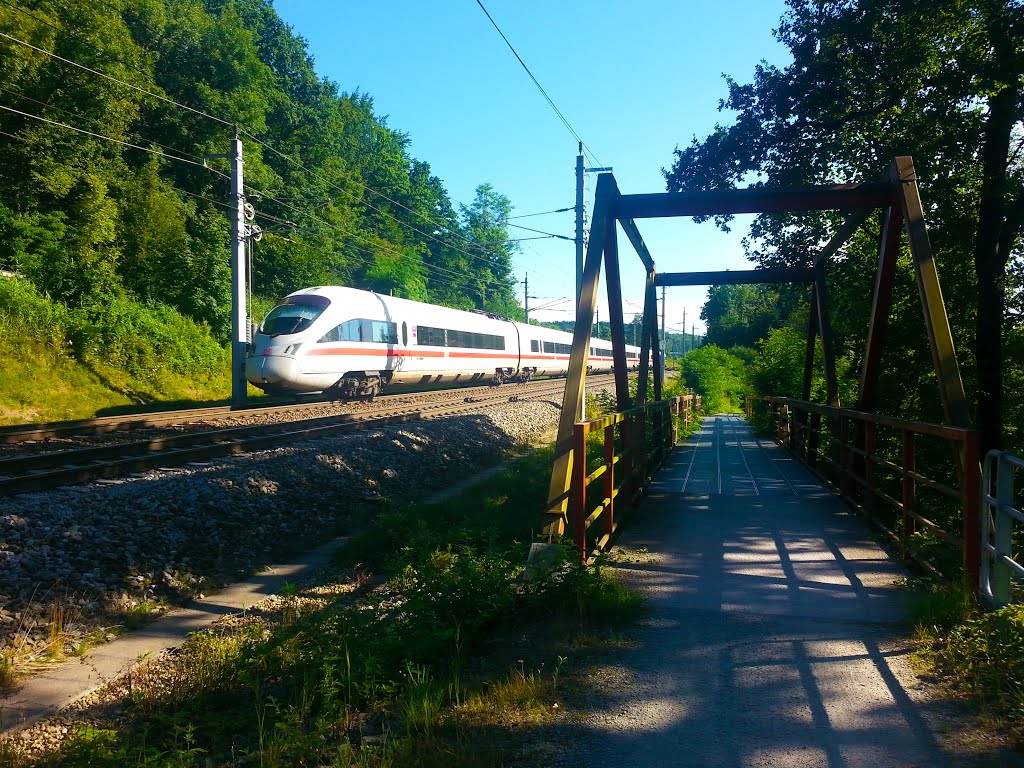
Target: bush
<point x="145" y="341"/>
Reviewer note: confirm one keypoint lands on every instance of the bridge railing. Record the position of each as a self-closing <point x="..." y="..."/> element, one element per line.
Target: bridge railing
<point x="873" y="461"/>
<point x="1002" y="531"/>
<point x="634" y="443"/>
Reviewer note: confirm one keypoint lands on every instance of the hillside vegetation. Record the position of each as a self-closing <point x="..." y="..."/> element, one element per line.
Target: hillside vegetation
<point x="116" y="232"/>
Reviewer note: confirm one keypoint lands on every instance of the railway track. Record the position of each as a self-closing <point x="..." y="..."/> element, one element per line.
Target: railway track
<point x="40" y="471"/>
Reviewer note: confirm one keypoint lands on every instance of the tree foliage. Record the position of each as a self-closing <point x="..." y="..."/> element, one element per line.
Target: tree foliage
<point x="118" y="204"/>
<point x="870" y="80"/>
<point x="718" y="376"/>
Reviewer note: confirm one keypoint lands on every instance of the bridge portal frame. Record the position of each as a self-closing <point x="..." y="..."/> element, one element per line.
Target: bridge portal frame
<point x="896" y="194"/>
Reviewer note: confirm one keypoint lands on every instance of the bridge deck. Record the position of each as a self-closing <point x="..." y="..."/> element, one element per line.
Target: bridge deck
<point x="775" y="637"/>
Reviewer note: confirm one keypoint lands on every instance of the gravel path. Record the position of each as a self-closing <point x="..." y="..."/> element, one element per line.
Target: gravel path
<point x="85" y="557"/>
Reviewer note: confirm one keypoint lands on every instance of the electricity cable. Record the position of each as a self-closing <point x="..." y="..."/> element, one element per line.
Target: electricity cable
<point x="116" y="80"/>
<point x="536" y="82"/>
<point x="109" y="138"/>
<point x="67" y="113"/>
<point x="528" y="215"/>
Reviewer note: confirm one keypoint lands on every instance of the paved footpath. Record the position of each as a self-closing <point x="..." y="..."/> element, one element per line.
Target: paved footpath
<point x="775" y="638"/>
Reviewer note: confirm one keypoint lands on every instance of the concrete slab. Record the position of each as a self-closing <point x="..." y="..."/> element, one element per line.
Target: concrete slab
<point x="776" y="633"/>
<point x="63" y="684"/>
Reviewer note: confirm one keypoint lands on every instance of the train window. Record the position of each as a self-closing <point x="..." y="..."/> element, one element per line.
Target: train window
<point x="364" y="331"/>
<point x="440" y="337"/>
<point x="430" y="337"/>
<point x="534" y="345"/>
<point x="290" y="318"/>
<point x="405" y="334"/>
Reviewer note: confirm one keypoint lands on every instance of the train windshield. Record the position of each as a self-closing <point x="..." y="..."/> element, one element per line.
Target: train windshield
<point x="285" y="319"/>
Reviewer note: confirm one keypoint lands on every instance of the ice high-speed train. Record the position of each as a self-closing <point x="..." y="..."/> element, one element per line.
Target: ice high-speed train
<point x="350" y="343"/>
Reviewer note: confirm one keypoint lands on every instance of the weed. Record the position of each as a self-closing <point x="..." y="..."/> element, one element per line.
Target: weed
<point x="8" y="676"/>
<point x="318" y="679"/>
<point x="422" y="701"/>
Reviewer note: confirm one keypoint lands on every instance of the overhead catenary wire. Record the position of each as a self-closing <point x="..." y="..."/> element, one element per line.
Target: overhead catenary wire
<point x="379" y="246"/>
<point x="125" y="83"/>
<point x="269" y="147"/>
<point x="541" y="213"/>
<point x="378" y="210"/>
<point x="542" y="232"/>
<point x="536" y="82"/>
<point x="109" y="138"/>
<point x="178" y="152"/>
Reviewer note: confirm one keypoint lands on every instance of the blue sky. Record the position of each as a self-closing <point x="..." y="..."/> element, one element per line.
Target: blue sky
<point x="634" y="80"/>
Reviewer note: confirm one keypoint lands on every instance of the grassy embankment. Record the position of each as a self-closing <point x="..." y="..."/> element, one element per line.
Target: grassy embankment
<point x="62" y="363"/>
<point x="425" y="646"/>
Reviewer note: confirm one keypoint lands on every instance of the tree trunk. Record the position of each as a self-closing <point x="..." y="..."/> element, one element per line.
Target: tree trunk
<point x="991" y="247"/>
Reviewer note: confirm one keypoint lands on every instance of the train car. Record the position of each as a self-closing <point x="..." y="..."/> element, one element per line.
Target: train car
<point x="351" y="343"/>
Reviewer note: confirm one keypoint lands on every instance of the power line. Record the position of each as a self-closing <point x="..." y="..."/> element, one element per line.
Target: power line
<point x="381" y="212"/>
<point x="108" y="138"/>
<point x="357" y="236"/>
<point x="77" y="116"/>
<point x="542" y="232"/>
<point x="247" y="133"/>
<point x="537" y="83"/>
<point x="116" y="80"/>
<point x="31" y="15"/>
<point x="528" y="215"/>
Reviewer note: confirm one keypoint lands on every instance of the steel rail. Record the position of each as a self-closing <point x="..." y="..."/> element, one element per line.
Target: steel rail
<point x="19" y="433"/>
<point x="38" y="472"/>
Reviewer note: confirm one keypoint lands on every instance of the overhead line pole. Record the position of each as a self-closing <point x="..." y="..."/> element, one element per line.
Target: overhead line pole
<point x="239" y="313"/>
<point x="526" y="297"/>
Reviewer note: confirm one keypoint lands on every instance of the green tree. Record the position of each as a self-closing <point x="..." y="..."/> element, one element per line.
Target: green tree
<point x="741" y="315"/>
<point x="872" y="79"/>
<point x="491" y="250"/>
<point x="718" y="376"/>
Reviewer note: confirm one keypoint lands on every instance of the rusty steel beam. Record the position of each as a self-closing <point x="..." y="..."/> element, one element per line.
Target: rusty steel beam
<point x="853" y="222"/>
<point x="940" y="336"/>
<point x="881" y="307"/>
<point x="616" y="321"/>
<point x="812" y="328"/>
<point x="754" y="200"/>
<point x="649" y="328"/>
<point x="630" y="228"/>
<point x="561" y="471"/>
<point x="737" y="277"/>
<point x="827" y="347"/>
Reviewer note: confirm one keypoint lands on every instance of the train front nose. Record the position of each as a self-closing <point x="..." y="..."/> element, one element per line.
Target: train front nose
<point x="266" y="369"/>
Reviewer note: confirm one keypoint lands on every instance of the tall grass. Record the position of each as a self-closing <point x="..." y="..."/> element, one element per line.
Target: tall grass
<point x="379" y="678"/>
<point x="63" y="362"/>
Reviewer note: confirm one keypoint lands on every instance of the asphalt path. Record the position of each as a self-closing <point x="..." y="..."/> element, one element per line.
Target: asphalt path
<point x="778" y="631"/>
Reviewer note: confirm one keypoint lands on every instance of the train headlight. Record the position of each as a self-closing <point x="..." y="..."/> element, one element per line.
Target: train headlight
<point x="292" y="349"/>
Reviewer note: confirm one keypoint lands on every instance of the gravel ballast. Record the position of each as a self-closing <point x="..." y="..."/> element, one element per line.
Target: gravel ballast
<point x="96" y="553"/>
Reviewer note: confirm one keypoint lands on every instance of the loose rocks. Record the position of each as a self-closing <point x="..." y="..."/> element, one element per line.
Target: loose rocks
<point x="88" y="556"/>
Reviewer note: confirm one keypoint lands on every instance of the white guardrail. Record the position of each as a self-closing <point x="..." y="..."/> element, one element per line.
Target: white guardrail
<point x="1001" y="574"/>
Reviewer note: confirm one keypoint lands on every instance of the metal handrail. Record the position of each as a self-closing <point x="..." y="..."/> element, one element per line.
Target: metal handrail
<point x="625" y="472"/>
<point x="998" y="566"/>
<point x="851" y="435"/>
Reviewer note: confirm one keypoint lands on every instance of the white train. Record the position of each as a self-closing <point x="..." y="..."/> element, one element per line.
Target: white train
<point x="350" y="343"/>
